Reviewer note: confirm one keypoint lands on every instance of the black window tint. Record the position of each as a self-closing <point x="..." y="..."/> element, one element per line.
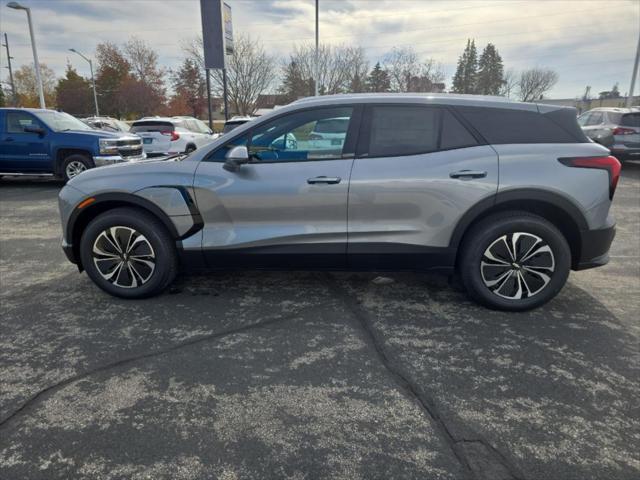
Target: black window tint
<point x="399" y="130"/>
<point x="152" y="126"/>
<point x="501" y="126"/>
<point x="631" y="120"/>
<point x="454" y="135"/>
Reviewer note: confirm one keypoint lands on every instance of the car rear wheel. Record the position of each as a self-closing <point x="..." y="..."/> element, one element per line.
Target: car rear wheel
<point x="514" y="261"/>
<point x="128" y="253"/>
<point x="74" y="165"/>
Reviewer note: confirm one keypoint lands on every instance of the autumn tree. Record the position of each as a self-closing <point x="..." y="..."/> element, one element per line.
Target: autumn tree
<point x="465" y="78"/>
<point x="189" y="85"/>
<point x="74" y="94"/>
<point x="113" y="69"/>
<point x="490" y="72"/>
<point x="378" y="80"/>
<point x="408" y="73"/>
<point x="535" y="82"/>
<point x="27" y="86"/>
<point x="147" y="73"/>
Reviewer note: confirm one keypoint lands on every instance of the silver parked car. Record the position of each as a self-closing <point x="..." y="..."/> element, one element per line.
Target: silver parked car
<point x="510" y="195"/>
<point x="618" y="129"/>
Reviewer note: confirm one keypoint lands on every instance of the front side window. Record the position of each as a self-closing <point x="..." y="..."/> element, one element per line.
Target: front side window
<point x="403" y="130"/>
<point x="583" y="119"/>
<point x="17" y="121"/>
<point x="317" y="134"/>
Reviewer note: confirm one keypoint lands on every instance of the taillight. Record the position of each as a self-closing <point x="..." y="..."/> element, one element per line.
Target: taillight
<point x="623" y="131"/>
<point x="174" y="135"/>
<point x="610" y="164"/>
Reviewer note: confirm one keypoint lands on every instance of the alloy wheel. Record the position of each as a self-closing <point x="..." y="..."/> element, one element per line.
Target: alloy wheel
<point x="124" y="257"/>
<point x="517" y="266"/>
<point x="74" y="168"/>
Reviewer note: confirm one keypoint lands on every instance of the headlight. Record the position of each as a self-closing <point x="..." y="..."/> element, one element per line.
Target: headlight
<point x="108" y="146"/>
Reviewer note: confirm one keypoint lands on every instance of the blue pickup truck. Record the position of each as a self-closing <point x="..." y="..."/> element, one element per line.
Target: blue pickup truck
<point x="47" y="142"/>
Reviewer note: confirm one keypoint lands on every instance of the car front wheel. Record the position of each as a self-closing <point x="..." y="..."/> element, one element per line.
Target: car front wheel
<point x="128" y="253"/>
<point x="74" y="165"/>
<point x="514" y="261"/>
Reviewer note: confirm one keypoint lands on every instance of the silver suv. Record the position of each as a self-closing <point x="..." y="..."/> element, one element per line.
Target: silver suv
<point x="618" y="129"/>
<point x="509" y="195"/>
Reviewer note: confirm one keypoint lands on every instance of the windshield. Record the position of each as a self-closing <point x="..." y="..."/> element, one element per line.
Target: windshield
<point x="59" y="121"/>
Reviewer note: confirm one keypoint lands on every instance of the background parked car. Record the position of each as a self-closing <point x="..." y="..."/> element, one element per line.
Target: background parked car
<point x="234" y="122"/>
<point x="107" y="124"/>
<point x="169" y="135"/>
<point x="618" y="129"/>
<point x="46" y="142"/>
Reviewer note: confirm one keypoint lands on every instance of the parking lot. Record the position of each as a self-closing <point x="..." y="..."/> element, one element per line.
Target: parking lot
<point x="311" y="375"/>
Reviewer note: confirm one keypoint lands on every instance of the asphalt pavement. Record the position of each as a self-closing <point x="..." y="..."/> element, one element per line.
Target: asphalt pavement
<point x="307" y="375"/>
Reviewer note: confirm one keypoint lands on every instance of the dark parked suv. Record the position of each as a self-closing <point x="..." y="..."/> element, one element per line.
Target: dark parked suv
<point x="510" y="195"/>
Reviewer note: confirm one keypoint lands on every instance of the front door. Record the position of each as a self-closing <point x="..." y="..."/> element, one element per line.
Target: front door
<point x="416" y="172"/>
<point x="21" y="151"/>
<point x="288" y="206"/>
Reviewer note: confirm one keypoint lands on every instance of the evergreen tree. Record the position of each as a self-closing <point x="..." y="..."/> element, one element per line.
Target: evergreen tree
<point x="465" y="78"/>
<point x="378" y="80"/>
<point x="294" y="84"/>
<point x="490" y="72"/>
<point x="2" y="99"/>
<point x="74" y="94"/>
<point x="190" y="86"/>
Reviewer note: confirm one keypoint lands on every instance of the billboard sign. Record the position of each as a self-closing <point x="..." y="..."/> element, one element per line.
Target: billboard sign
<point x="228" y="29"/>
<point x="217" y="32"/>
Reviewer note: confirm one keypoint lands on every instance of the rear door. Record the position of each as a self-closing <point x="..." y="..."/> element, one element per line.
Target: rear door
<point x="288" y="207"/>
<point x="418" y="169"/>
<point x="157" y="136"/>
<point x="22" y="151"/>
<point x="629" y="133"/>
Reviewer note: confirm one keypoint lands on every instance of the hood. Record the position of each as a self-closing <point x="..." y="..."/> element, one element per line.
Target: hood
<point x="97" y="134"/>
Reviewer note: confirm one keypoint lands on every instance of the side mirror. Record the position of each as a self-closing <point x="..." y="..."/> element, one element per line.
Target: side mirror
<point x="34" y="129"/>
<point x="236" y="157"/>
<point x="210" y="132"/>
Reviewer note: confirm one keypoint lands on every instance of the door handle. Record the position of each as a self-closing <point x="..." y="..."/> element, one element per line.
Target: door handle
<point x="466" y="174"/>
<point x="323" y="179"/>
<point x="8" y="139"/>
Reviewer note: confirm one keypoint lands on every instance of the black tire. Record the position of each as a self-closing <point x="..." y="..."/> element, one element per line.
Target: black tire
<point x="74" y="160"/>
<point x="162" y="246"/>
<point x="190" y="148"/>
<point x="477" y="270"/>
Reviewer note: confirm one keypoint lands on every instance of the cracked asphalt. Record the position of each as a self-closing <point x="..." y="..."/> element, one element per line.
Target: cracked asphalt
<point x="311" y="375"/>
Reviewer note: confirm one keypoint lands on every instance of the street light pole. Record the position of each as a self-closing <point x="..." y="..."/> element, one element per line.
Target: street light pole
<point x="17" y="6"/>
<point x="316" y="68"/>
<point x="634" y="75"/>
<point x="93" y="80"/>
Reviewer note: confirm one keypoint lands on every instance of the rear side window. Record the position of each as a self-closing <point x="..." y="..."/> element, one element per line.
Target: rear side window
<point x="630" y="120"/>
<point x="152" y="126"/>
<point x="403" y="130"/>
<point x="502" y="126"/>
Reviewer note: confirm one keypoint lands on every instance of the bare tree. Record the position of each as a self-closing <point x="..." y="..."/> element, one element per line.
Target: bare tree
<point x="408" y="73"/>
<point x="250" y="72"/>
<point x="535" y="82"/>
<point x="510" y="81"/>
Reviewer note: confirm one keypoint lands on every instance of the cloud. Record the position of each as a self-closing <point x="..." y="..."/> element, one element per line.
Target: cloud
<point x="585" y="42"/>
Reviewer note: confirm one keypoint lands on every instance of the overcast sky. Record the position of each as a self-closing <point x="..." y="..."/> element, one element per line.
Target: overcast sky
<point x="590" y="42"/>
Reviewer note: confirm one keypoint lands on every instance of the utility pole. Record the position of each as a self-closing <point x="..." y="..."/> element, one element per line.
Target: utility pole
<point x="9" y="57"/>
<point x="224" y="94"/>
<point x="93" y="80"/>
<point x="634" y="75"/>
<point x="316" y="67"/>
<point x="206" y="71"/>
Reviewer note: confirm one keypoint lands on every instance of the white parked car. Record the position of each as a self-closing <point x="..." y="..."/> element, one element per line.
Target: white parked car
<point x="169" y="135"/>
